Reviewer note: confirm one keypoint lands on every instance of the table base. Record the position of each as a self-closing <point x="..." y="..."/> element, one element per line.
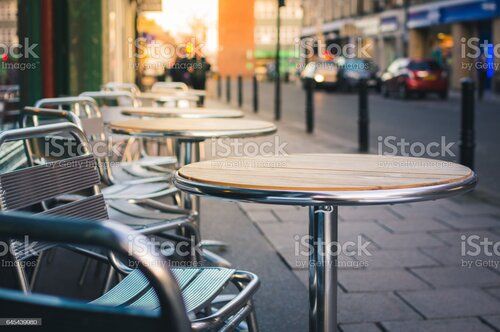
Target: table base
<point x="323" y="232"/>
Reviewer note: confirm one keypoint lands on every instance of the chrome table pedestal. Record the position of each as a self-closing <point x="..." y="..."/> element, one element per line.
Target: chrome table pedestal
<point x="323" y="232"/>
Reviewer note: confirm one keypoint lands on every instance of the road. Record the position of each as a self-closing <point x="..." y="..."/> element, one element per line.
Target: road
<point x="418" y="122"/>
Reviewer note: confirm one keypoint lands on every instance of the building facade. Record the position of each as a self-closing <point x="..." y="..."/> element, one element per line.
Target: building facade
<point x="248" y="32"/>
<point x="384" y="30"/>
<point x="266" y="13"/>
<point x="236" y="38"/>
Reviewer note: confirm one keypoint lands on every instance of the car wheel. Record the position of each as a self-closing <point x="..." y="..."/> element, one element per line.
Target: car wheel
<point x="443" y="95"/>
<point x="403" y="91"/>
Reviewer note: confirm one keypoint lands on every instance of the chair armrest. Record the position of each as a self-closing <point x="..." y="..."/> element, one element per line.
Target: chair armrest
<point x="248" y="283"/>
<point x="110" y="236"/>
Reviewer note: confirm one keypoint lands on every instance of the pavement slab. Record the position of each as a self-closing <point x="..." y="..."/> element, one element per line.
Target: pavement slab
<point x="452" y="302"/>
<point x="438" y="325"/>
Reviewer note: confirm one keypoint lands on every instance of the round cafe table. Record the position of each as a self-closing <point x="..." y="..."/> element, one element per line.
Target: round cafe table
<point x="186" y="113"/>
<point x="323" y="182"/>
<point x="189" y="134"/>
<point x="164" y="97"/>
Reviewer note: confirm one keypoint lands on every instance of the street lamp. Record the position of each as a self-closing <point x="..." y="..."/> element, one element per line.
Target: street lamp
<point x="277" y="97"/>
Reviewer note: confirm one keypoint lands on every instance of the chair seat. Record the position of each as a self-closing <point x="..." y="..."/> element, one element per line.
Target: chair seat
<point x="133" y="190"/>
<point x="199" y="286"/>
<point x="125" y="172"/>
<point x="135" y="215"/>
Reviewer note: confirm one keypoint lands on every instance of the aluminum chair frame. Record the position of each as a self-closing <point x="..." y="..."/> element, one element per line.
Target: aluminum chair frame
<point x="93" y="118"/>
<point x="134" y="89"/>
<point x="159" y="86"/>
<point x="115" y="238"/>
<point x="58" y="179"/>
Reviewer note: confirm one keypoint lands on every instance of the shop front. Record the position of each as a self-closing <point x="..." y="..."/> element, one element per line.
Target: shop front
<point x="458" y="35"/>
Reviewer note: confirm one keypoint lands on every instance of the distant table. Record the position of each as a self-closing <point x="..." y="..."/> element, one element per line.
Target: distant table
<point x="323" y="182"/>
<point x="165" y="97"/>
<point x="189" y="134"/>
<point x="187" y="113"/>
<point x="193" y="130"/>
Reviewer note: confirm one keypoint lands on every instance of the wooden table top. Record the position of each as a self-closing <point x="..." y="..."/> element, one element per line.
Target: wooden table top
<point x="188" y="113"/>
<point x="194" y="128"/>
<point x="327" y="174"/>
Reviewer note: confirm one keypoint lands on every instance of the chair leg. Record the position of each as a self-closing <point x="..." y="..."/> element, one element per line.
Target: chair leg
<point x="83" y="274"/>
<point x="252" y="320"/>
<point x="109" y="279"/>
<point x="22" y="278"/>
<point x="35" y="272"/>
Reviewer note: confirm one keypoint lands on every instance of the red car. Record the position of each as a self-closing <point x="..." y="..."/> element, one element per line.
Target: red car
<point x="414" y="76"/>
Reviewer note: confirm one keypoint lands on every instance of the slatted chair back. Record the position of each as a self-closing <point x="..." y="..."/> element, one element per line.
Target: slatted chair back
<point x="169" y="86"/>
<point x="37" y="188"/>
<point x="119" y="86"/>
<point x="88" y="119"/>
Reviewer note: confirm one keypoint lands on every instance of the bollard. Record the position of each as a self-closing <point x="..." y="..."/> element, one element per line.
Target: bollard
<point x="309" y="105"/>
<point x="240" y="91"/>
<point x="363" y="121"/>
<point x="255" y="94"/>
<point x="467" y="136"/>
<point x="219" y="86"/>
<point x="228" y="89"/>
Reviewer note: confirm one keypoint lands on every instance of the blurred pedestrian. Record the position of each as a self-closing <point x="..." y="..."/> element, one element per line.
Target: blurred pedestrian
<point x="199" y="75"/>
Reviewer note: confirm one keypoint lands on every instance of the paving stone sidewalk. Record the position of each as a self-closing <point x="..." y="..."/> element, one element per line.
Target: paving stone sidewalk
<point x="415" y="277"/>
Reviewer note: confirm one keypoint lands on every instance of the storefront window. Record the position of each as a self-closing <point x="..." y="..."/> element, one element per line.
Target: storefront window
<point x="9" y="75"/>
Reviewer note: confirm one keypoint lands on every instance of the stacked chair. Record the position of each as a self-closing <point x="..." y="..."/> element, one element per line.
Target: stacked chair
<point x="93" y="205"/>
<point x="177" y="95"/>
<point x="58" y="202"/>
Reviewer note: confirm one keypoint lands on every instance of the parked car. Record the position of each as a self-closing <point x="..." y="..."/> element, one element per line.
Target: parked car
<point x="324" y="74"/>
<point x="414" y="76"/>
<point x="352" y="71"/>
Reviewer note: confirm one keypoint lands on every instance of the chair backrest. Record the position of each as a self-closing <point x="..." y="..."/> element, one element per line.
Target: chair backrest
<point x="162" y="86"/>
<point x="122" y="98"/>
<point x="90" y="121"/>
<point x="119" y="86"/>
<point x="36" y="187"/>
<point x="60" y="314"/>
<point x="12" y="156"/>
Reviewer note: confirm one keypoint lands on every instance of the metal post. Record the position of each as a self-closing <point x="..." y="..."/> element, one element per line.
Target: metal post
<point x="240" y="91"/>
<point x="228" y="89"/>
<point x="255" y="94"/>
<point x="323" y="243"/>
<point x="406" y="7"/>
<point x="363" y="121"/>
<point x="219" y="86"/>
<point x="310" y="105"/>
<point x="277" y="95"/>
<point x="467" y="141"/>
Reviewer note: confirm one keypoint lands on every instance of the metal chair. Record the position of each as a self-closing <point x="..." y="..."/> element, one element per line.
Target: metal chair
<point x="162" y="86"/>
<point x="146" y="178"/>
<point x="70" y="187"/>
<point x="151" y="298"/>
<point x="177" y="95"/>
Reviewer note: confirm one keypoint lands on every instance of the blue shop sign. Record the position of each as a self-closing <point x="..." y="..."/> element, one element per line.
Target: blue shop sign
<point x="450" y="12"/>
<point x="389" y="24"/>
